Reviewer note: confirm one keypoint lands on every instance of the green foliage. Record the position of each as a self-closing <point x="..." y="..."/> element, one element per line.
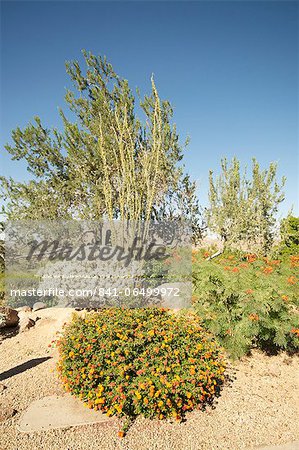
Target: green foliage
<point x="108" y="163"/>
<point x="290" y="236"/>
<point x="248" y="302"/>
<point x="148" y="361"/>
<point x="243" y="210"/>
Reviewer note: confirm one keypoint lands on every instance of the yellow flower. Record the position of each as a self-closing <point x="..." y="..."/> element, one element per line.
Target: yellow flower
<point x="118" y="408"/>
<point x="138" y="395"/>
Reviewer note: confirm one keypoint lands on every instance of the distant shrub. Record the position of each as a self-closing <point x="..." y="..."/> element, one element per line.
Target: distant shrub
<point x="290" y="236"/>
<point x="248" y="302"/>
<point x="127" y="362"/>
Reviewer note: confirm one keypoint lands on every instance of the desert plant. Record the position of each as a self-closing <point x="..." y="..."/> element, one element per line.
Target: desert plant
<point x="243" y="209"/>
<point x="290" y="236"/>
<point x="248" y="302"/>
<point x="106" y="164"/>
<point x="147" y="361"/>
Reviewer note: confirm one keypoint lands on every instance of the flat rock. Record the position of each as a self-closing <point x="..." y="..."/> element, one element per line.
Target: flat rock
<point x="25" y="324"/>
<point x="58" y="412"/>
<point x="26" y="308"/>
<point x="39" y="305"/>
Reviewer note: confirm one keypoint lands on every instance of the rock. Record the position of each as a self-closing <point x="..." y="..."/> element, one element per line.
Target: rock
<point x="26" y="309"/>
<point x="6" y="413"/>
<point x="54" y="412"/>
<point x="23" y="314"/>
<point x="8" y="317"/>
<point x="25" y="324"/>
<point x="175" y="295"/>
<point x="39" y="305"/>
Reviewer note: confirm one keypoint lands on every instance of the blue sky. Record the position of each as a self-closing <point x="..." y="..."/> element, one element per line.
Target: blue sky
<point x="230" y="69"/>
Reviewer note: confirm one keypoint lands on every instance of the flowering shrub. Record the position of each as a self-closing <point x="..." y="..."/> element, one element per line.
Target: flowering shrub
<point x="247" y="301"/>
<point x="127" y="362"/>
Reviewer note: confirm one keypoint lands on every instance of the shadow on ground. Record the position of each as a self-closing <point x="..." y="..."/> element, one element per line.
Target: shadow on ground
<point x="22" y="367"/>
<point x="6" y="333"/>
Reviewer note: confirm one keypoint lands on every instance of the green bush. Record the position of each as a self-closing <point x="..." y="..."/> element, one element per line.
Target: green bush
<point x="290" y="236"/>
<point x="248" y="302"/>
<point x="147" y="361"/>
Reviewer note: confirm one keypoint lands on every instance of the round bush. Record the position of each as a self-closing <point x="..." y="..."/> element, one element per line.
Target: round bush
<point x="127" y="362"/>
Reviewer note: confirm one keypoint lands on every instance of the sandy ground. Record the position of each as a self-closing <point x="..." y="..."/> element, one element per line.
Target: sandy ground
<point x="259" y="408"/>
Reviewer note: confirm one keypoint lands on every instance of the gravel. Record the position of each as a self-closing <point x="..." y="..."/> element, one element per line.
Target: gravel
<point x="256" y="409"/>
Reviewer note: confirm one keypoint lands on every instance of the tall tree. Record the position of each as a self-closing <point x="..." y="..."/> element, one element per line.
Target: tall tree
<point x="243" y="209"/>
<point x="107" y="163"/>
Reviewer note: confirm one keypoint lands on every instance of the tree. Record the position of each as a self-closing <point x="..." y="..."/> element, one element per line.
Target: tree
<point x="289" y="231"/>
<point x="105" y="164"/>
<point x="243" y="209"/>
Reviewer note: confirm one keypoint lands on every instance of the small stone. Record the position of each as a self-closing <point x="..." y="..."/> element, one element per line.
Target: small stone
<point x="9" y="317"/>
<point x="26" y="308"/>
<point x="39" y="305"/>
<point x="6" y="413"/>
<point x="25" y="324"/>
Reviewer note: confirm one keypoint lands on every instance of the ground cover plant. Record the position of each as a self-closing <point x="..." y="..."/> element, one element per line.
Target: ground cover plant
<point x="248" y="301"/>
<point x="127" y="362"/>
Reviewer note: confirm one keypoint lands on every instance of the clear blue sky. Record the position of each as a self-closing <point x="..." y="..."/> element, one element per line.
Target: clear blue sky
<point x="230" y="70"/>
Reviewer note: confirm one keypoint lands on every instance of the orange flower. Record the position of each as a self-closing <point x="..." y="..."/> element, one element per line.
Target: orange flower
<point x="249" y="291"/>
<point x="251" y="257"/>
<point x="226" y="268"/>
<point x="253" y="317"/>
<point x="267" y="270"/>
<point x="285" y="298"/>
<point x="292" y="279"/>
<point x="295" y="331"/>
<point x="121" y="434"/>
<point x="244" y="265"/>
<point x="294" y="261"/>
<point x="235" y="270"/>
<point x="206" y="254"/>
<point x="230" y="257"/>
<point x="275" y="262"/>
